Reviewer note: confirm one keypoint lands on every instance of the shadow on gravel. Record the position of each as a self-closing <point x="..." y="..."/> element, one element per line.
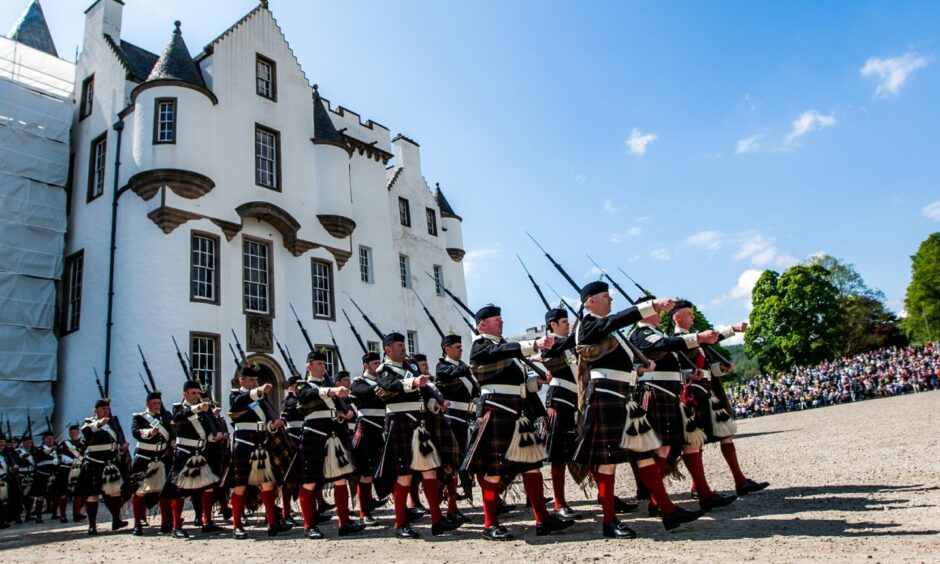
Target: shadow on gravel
<point x="740" y="436"/>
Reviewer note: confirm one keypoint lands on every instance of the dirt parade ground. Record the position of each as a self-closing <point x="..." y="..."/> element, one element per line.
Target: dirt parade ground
<point x="851" y="483"/>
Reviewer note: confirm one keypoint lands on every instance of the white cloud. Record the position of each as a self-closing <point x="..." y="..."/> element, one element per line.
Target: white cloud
<point x="892" y="72"/>
<point x="661" y="254"/>
<point x="609" y="206"/>
<point x="741" y="290"/>
<point x="762" y="252"/>
<point x="748" y="144"/>
<point x="736" y="339"/>
<point x="634" y="231"/>
<point x="638" y="141"/>
<point x="621" y="237"/>
<point x="708" y="240"/>
<point x="471" y="261"/>
<point x="932" y="211"/>
<point x="808" y="121"/>
<point x="634" y="258"/>
<point x="592" y="272"/>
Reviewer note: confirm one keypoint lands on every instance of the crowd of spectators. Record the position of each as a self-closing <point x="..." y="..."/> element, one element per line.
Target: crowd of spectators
<point x="881" y="373"/>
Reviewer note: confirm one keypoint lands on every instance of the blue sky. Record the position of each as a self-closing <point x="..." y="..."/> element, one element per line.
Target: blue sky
<point x="692" y="144"/>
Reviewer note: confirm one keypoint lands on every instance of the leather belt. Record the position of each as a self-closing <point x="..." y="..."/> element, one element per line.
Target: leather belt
<point x="460" y="406"/>
<point x="656" y="376"/>
<point x="505" y="389"/>
<point x="318" y="415"/>
<point x="570" y="386"/>
<point x="192" y="443"/>
<point x="252" y="426"/>
<point x="403" y="407"/>
<point x="610" y="374"/>
<point x="372" y="412"/>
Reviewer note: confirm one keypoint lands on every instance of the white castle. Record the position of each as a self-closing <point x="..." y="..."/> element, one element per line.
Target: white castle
<point x="211" y="193"/>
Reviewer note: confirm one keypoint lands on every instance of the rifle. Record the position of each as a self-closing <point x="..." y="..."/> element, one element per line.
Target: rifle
<point x="9" y="429"/>
<point x="612" y="281"/>
<point x="186" y="371"/>
<point x="339" y="355"/>
<point x="355" y="333"/>
<point x="287" y="359"/>
<point x="29" y="424"/>
<point x="428" y="313"/>
<point x="466" y="321"/>
<point x="144" y="382"/>
<point x="300" y="324"/>
<point x="564" y="303"/>
<point x="534" y="285"/>
<point x="637" y="353"/>
<point x="98" y="382"/>
<point x="365" y="318"/>
<point x="640" y="288"/>
<point x="153" y="384"/>
<point x="238" y="362"/>
<point x="238" y="345"/>
<point x="440" y="285"/>
<point x="49" y="423"/>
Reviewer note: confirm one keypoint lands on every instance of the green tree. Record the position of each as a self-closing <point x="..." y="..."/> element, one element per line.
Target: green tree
<point x="796" y="318"/>
<point x="922" y="300"/>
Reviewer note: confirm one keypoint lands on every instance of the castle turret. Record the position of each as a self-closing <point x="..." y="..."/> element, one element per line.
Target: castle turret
<point x="331" y="173"/>
<point x="451" y="225"/>
<point x="31" y="29"/>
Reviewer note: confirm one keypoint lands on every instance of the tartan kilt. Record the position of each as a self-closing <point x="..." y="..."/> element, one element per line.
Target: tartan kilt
<point x="459" y="422"/>
<point x="700" y="403"/>
<point x="396" y="454"/>
<point x="276" y="445"/>
<point x="91" y="478"/>
<point x="602" y="426"/>
<point x="718" y="390"/>
<point x="662" y="411"/>
<point x="307" y="466"/>
<point x="40" y="484"/>
<point x="218" y="454"/>
<point x="367" y="445"/>
<point x="450" y="449"/>
<point x="495" y="429"/>
<point x="563" y="436"/>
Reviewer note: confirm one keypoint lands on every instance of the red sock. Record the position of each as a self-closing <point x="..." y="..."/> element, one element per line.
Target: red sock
<point x="653" y="480"/>
<point x="663" y="463"/>
<point x="490" y="497"/>
<point x="693" y="462"/>
<point x="308" y="507"/>
<point x="178" y="512"/>
<point x="558" y="485"/>
<point x="533" y="490"/>
<point x="400" y="496"/>
<point x="641" y="492"/>
<point x="452" y="496"/>
<point x="139" y="507"/>
<point x="605" y="492"/>
<point x="731" y="457"/>
<point x="206" y="506"/>
<point x="365" y="498"/>
<point x="270" y="507"/>
<point x="341" y="499"/>
<point x="432" y="491"/>
<point x="91" y="508"/>
<point x="166" y="511"/>
<point x="415" y="500"/>
<point x="238" y="509"/>
<point x="76" y="507"/>
<point x="285" y="502"/>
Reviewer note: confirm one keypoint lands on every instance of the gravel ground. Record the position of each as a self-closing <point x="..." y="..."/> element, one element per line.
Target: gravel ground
<point x="848" y="483"/>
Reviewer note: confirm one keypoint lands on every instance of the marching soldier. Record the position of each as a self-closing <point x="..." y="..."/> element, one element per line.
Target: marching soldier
<point x="8" y="484"/>
<point x="71" y="449"/>
<point x="255" y="423"/>
<point x="702" y="396"/>
<point x="48" y="482"/>
<point x="506" y="443"/>
<point x="614" y="428"/>
<point x="191" y="474"/>
<point x="218" y="454"/>
<point x="322" y="456"/>
<point x="459" y="387"/>
<point x="294" y="422"/>
<point x="27" y="474"/>
<point x="368" y="438"/>
<point x="409" y="444"/>
<point x="100" y="472"/>
<point x="154" y="433"/>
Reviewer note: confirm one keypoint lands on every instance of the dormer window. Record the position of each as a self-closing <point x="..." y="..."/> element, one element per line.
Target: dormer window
<point x="266" y="78"/>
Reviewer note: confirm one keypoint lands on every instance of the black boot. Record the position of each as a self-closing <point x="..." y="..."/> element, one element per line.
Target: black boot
<point x="240" y="534"/>
<point x="551" y="525"/>
<point x="618" y="530"/>
<point x="138" y="530"/>
<point x="749" y="486"/>
<point x="680" y="516"/>
<point x="406" y="532"/>
<point x="443" y="526"/>
<point x="715" y="501"/>
<point x="313" y="533"/>
<point x="497" y="533"/>
<point x="180" y="534"/>
<point x="351" y="528"/>
<point x="568" y="513"/>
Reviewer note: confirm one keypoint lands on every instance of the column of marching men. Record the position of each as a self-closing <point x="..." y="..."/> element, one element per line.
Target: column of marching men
<point x="374" y="438"/>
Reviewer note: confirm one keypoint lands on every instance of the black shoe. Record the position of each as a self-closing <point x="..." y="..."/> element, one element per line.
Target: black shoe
<point x="621" y="506"/>
<point x="680" y="516"/>
<point x="351" y="528"/>
<point x="459" y="517"/>
<point x="63" y="519"/>
<point x="715" y="501"/>
<point x="618" y="530"/>
<point x="38" y="519"/>
<point x="120" y="524"/>
<point x="406" y="532"/>
<point x="749" y="486"/>
<point x="652" y="509"/>
<point x="211" y="527"/>
<point x="503" y="508"/>
<point x="693" y="494"/>
<point x="79" y="518"/>
<point x="567" y="513"/>
<point x="325" y="506"/>
<point x="240" y="534"/>
<point x="276" y="528"/>
<point x="551" y="525"/>
<point x="313" y="533"/>
<point x="322" y="518"/>
<point x="286" y="524"/>
<point x="444" y="525"/>
<point x="138" y="530"/>
<point x="420" y="509"/>
<point x="368" y="520"/>
<point x="92" y="531"/>
<point x="165" y="529"/>
<point x="380" y="503"/>
<point x="291" y="521"/>
<point x="180" y="534"/>
<point x="412" y="515"/>
<point x="497" y="533"/>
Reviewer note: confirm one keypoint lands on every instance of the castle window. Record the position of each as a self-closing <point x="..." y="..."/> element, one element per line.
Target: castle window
<point x="404" y="271"/>
<point x="72" y="304"/>
<point x="256" y="276"/>
<point x="438" y="280"/>
<point x="266" y="78"/>
<point x="322" y="289"/>
<point x="164" y="121"/>
<point x="96" y="165"/>
<point x="404" y="212"/>
<point x="432" y="221"/>
<point x="412" y="343"/>
<point x="332" y="363"/>
<point x="204" y="359"/>
<point x="204" y="268"/>
<point x="373" y="347"/>
<point x="365" y="265"/>
<point x="88" y="98"/>
<point x="267" y="157"/>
